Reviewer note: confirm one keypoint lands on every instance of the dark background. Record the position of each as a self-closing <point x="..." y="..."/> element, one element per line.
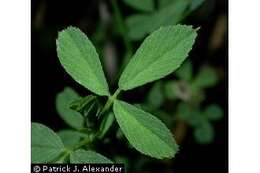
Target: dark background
<point x="49" y="78"/>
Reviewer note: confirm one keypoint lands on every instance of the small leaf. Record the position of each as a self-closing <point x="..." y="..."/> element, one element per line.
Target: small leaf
<point x="70" y="137"/>
<point x="185" y="71"/>
<point x="143" y="5"/>
<point x="155" y="97"/>
<point x="83" y="156"/>
<point x="145" y="132"/>
<point x="206" y="78"/>
<point x="213" y="112"/>
<point x="63" y="101"/>
<point x="106" y="124"/>
<point x="204" y="134"/>
<point x="159" y="55"/>
<point x="79" y="58"/>
<point x="46" y="144"/>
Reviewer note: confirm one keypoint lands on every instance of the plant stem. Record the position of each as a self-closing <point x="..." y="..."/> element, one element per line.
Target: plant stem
<point x="110" y="101"/>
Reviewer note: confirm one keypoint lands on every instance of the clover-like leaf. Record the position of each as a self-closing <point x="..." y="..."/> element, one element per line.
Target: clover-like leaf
<point x="83" y="156"/>
<point x="145" y="132"/>
<point x="79" y="58"/>
<point x="46" y="145"/>
<point x="160" y="54"/>
<point x="63" y="103"/>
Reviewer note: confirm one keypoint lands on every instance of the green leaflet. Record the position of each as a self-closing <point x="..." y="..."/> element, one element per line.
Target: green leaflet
<point x="143" y="5"/>
<point x="141" y="24"/>
<point x="46" y="145"/>
<point x="63" y="101"/>
<point x="144" y="131"/>
<point x="213" y="112"/>
<point x="79" y="58"/>
<point x="206" y="78"/>
<point x="70" y="137"/>
<point x="185" y="71"/>
<point x="83" y="156"/>
<point x="159" y="55"/>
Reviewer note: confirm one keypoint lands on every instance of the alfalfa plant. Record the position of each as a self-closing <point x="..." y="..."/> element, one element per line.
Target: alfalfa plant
<point x="161" y="53"/>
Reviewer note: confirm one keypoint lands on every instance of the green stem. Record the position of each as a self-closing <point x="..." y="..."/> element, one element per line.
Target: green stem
<point x="110" y="101"/>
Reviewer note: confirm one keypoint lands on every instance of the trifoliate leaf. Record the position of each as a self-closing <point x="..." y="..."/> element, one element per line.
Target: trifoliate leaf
<point x="213" y="112"/>
<point x="79" y="58"/>
<point x="204" y="134"/>
<point x="83" y="156"/>
<point x="155" y="96"/>
<point x="63" y="103"/>
<point x="145" y="132"/>
<point x="143" y="5"/>
<point x="160" y="54"/>
<point x="46" y="144"/>
<point x="106" y="124"/>
<point x="185" y="71"/>
<point x="70" y="137"/>
<point x="206" y="78"/>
